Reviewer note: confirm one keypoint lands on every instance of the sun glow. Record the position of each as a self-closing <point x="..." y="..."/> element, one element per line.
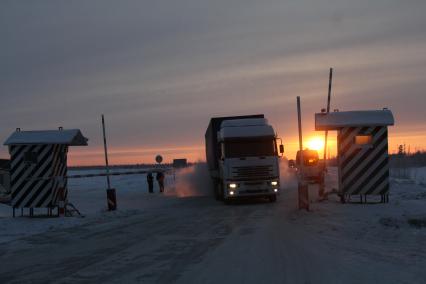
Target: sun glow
<point x="316" y="143"/>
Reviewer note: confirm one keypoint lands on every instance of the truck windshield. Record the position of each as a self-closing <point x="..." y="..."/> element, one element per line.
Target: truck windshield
<point x="249" y="148"/>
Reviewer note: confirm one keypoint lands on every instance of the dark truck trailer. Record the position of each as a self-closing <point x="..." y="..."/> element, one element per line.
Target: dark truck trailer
<point x="213" y="151"/>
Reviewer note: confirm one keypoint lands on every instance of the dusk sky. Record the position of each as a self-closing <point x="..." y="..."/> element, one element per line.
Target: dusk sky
<point x="159" y="70"/>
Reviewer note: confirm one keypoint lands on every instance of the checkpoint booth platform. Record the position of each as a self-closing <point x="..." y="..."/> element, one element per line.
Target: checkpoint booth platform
<point x="362" y="151"/>
<point x="38" y="166"/>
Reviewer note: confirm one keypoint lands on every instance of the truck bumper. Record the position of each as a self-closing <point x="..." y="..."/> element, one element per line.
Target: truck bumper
<point x="251" y="190"/>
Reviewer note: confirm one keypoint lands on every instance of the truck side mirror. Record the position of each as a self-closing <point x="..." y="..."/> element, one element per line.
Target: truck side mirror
<point x="281" y="149"/>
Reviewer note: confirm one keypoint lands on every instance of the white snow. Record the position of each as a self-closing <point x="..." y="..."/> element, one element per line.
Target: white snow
<point x="335" y="120"/>
<point x="244" y="122"/>
<point x="246" y="131"/>
<point x="250" y="127"/>
<point x="185" y="236"/>
<point x="72" y="137"/>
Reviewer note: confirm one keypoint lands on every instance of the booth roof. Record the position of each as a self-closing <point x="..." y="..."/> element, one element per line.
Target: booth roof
<point x="72" y="137"/>
<point x="340" y="119"/>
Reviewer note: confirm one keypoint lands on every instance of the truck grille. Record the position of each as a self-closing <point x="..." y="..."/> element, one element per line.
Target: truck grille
<point x="252" y="173"/>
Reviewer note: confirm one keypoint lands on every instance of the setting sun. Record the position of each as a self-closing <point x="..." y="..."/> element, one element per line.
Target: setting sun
<point x="316" y="143"/>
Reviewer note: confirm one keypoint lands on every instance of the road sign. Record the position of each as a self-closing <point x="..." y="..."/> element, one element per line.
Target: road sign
<point x="158" y="159"/>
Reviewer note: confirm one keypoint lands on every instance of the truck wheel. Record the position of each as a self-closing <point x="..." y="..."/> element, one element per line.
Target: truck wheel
<point x="227" y="201"/>
<point x="273" y="198"/>
<point x="217" y="193"/>
<point x="342" y="198"/>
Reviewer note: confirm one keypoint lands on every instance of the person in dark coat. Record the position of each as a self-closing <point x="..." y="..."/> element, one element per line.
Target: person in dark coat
<point x="150" y="180"/>
<point x="160" y="180"/>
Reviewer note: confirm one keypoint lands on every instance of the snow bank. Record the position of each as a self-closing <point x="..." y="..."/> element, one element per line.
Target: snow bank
<point x="416" y="175"/>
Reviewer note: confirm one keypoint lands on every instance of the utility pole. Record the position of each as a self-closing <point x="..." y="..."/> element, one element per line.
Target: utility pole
<point x="111" y="196"/>
<point x="302" y="185"/>
<point x="321" y="191"/>
<point x="330" y="78"/>
<point x="299" y="123"/>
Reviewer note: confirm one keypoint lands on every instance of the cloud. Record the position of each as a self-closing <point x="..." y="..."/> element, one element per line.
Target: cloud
<point x="159" y="70"/>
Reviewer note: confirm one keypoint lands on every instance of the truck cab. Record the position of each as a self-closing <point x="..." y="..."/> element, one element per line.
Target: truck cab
<point x="248" y="160"/>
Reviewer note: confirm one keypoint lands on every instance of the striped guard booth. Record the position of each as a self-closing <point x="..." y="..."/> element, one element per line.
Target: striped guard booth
<point x="362" y="150"/>
<point x="39" y="165"/>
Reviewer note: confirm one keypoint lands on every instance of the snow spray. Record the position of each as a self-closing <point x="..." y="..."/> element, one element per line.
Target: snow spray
<point x="288" y="176"/>
<point x="196" y="181"/>
<point x="192" y="181"/>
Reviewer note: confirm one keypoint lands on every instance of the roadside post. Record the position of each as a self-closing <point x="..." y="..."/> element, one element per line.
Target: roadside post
<point x="302" y="185"/>
<point x="111" y="197"/>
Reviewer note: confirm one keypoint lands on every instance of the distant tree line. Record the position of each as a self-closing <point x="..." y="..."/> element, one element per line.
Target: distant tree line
<point x="404" y="160"/>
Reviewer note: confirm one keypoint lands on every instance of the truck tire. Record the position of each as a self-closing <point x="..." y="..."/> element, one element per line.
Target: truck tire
<point x="273" y="198"/>
<point x="216" y="190"/>
<point x="219" y="191"/>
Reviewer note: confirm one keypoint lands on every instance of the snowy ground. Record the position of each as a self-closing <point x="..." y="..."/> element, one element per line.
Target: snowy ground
<point x="186" y="236"/>
<point x="89" y="197"/>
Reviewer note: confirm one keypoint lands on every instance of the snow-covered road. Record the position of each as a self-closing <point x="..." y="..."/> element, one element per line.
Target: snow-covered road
<point x="199" y="240"/>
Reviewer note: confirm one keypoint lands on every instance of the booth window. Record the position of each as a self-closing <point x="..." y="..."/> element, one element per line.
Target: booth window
<point x="30" y="157"/>
<point x="364" y="140"/>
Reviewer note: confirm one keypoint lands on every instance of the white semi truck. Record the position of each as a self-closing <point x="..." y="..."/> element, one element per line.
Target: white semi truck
<point x="243" y="157"/>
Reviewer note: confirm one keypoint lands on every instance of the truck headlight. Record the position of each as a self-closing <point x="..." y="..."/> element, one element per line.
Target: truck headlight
<point x="232" y="185"/>
<point x="274" y="183"/>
